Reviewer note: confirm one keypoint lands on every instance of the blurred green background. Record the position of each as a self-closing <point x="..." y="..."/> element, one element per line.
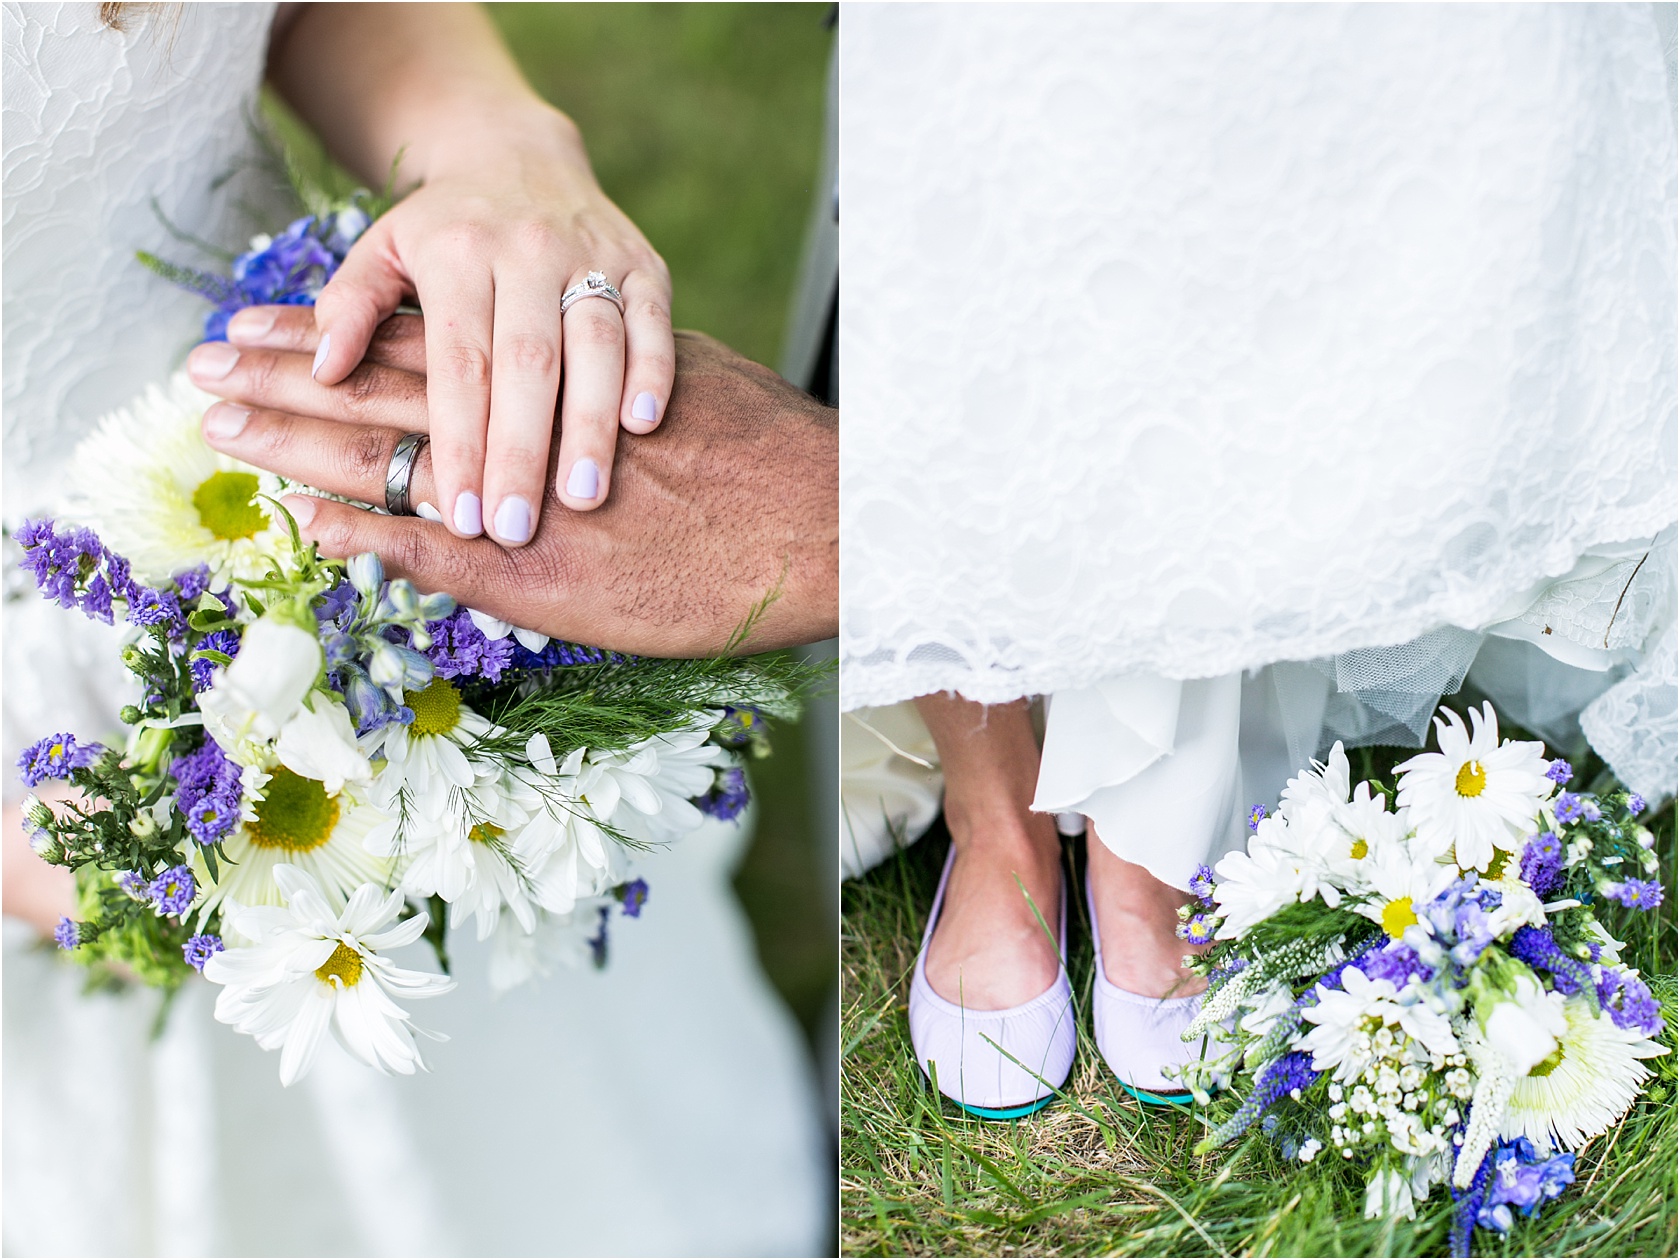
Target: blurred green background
<point x="704" y="123"/>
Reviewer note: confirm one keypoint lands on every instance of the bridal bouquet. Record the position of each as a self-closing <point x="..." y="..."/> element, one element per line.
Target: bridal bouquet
<point x="323" y="765"/>
<point x="1411" y="977"/>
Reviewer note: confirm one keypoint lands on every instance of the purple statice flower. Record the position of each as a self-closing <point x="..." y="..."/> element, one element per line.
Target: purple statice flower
<point x="192" y="583"/>
<point x="173" y="891"/>
<point x="728" y="797"/>
<point x="1278" y="1080"/>
<point x="1560" y="772"/>
<point x="1202" y="881"/>
<point x="1635" y="804"/>
<point x="1568" y="807"/>
<point x="208" y="792"/>
<point x="73" y="568"/>
<point x="202" y="668"/>
<point x="598" y="942"/>
<point x="461" y="650"/>
<point x="66" y="934"/>
<point x="158" y="608"/>
<point x="199" y="949"/>
<point x="1198" y="929"/>
<point x="1636" y="894"/>
<point x="1397" y="964"/>
<point x="1541" y="867"/>
<point x="1539" y="949"/>
<point x="55" y="757"/>
<point x="632" y="897"/>
<point x="289" y="269"/>
<point x="1256" y="816"/>
<point x="1628" y="1001"/>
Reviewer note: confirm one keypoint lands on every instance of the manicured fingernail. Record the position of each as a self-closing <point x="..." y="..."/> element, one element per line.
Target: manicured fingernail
<point x="469" y="514"/>
<point x="251" y="323"/>
<point x="584" y="480"/>
<point x="426" y="512"/>
<point x="212" y="361"/>
<point x="645" y="408"/>
<point x="513" y="520"/>
<point x="225" y="421"/>
<point x="320" y="354"/>
<point x="301" y="507"/>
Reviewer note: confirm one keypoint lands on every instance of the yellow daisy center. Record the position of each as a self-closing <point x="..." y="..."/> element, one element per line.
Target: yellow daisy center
<point x="223" y="500"/>
<point x="1472" y="778"/>
<point x="1397" y="916"/>
<point x="486" y="833"/>
<point x="1359" y="850"/>
<point x="345" y="966"/>
<point x="1496" y="866"/>
<point x="437" y="709"/>
<point x="296" y="814"/>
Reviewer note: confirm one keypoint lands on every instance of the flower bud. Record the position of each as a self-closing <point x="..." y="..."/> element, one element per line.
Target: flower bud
<point x="367" y="574"/>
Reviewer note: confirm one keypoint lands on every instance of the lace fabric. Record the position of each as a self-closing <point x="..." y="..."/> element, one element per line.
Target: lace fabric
<point x="1189" y="339"/>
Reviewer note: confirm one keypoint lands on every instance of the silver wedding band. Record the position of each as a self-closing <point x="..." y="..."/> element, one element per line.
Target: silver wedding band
<point x="399" y="475"/>
<point x="594" y="285"/>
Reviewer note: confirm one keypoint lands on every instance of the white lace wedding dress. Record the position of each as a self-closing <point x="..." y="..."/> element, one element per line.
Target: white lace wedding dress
<point x="1181" y="341"/>
<point x="662" y="1106"/>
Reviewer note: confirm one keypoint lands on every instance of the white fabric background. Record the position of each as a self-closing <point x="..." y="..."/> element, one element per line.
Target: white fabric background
<point x="665" y="1106"/>
<point x="1191" y="338"/>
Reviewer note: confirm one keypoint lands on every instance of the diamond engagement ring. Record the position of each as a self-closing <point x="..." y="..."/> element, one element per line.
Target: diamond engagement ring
<point x="399" y="475"/>
<point x="594" y="285"/>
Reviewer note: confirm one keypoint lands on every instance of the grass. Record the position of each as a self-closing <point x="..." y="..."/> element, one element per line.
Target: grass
<point x="1099" y="1174"/>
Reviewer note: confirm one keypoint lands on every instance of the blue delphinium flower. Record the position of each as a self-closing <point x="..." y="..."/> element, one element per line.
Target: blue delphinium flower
<point x="202" y="668"/>
<point x="728" y="797"/>
<point x="209" y="794"/>
<point x="1636" y="894"/>
<point x="1256" y="816"/>
<point x="1522" y="1178"/>
<point x="66" y="934"/>
<point x="1560" y="772"/>
<point x="1201" y="882"/>
<point x="288" y="269"/>
<point x="1628" y="1002"/>
<point x="55" y="757"/>
<point x="632" y="897"/>
<point x="1541" y="867"/>
<point x="1635" y="804"/>
<point x="200" y="949"/>
<point x="173" y="891"/>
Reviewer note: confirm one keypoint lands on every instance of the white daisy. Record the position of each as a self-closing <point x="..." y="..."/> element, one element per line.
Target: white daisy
<point x="654" y="780"/>
<point x="1585" y="1084"/>
<point x="1254" y="885"/>
<point x="1402" y="879"/>
<point x="316" y="962"/>
<point x="1477" y="794"/>
<point x="557" y="940"/>
<point x="159" y="495"/>
<point x="1345" y="1021"/>
<point x="564" y="850"/>
<point x="431" y="757"/>
<point x="294" y="821"/>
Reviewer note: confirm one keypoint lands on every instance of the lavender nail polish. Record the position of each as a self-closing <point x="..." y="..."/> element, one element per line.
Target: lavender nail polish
<point x="212" y="361"/>
<point x="225" y="421"/>
<point x="513" y="520"/>
<point x="645" y="408"/>
<point x="584" y="481"/>
<point x="469" y="514"/>
<point x="320" y="354"/>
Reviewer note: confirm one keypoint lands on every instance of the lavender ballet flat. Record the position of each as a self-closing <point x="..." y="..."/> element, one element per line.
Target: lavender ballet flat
<point x="1139" y="1036"/>
<point x="962" y="1046"/>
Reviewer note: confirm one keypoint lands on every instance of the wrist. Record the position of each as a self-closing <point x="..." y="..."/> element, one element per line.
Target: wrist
<point x="468" y="136"/>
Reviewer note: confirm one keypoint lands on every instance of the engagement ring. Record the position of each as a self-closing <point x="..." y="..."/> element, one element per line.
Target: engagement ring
<point x="594" y="285"/>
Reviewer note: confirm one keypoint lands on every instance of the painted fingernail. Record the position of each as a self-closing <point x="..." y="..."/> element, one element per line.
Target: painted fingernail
<point x="584" y="480"/>
<point x="513" y="520"/>
<point x="301" y="507"/>
<point x="469" y="514"/>
<point x="320" y="354"/>
<point x="225" y="421"/>
<point x="251" y="323"/>
<point x="212" y="361"/>
<point x="645" y="408"/>
<point x="426" y="512"/>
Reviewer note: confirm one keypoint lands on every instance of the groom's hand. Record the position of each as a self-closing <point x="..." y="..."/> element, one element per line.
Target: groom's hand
<point x="735" y="495"/>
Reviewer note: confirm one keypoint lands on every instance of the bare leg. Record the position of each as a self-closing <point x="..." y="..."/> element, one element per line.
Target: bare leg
<point x="1138" y="917"/>
<point x="988" y="951"/>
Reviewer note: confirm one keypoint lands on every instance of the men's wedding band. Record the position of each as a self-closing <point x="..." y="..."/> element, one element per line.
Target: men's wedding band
<point x="594" y="285"/>
<point x="400" y="474"/>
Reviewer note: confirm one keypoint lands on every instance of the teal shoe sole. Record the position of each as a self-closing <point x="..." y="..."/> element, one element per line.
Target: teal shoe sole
<point x="1007" y="1113"/>
<point x="1157" y="1100"/>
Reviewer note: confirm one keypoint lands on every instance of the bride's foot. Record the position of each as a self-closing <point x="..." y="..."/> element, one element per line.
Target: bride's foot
<point x="1137" y="917"/>
<point x="989" y="950"/>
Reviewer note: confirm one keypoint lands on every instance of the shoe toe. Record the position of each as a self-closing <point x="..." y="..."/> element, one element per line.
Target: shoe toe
<point x="994" y="1060"/>
<point x="1140" y="1038"/>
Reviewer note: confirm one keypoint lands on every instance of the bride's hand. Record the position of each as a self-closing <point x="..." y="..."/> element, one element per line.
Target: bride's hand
<point x="506" y="218"/>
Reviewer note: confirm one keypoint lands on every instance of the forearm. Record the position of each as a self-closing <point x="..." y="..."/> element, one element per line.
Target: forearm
<point x="431" y="80"/>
